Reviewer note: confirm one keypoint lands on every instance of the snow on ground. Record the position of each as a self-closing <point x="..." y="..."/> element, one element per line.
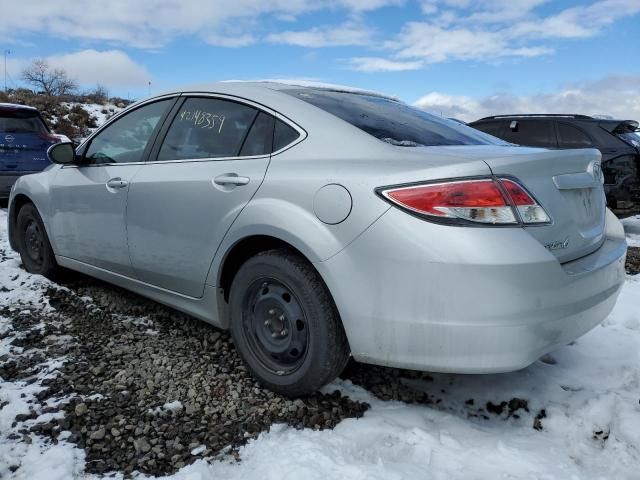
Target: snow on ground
<point x="589" y="392"/>
<point x="632" y="228"/>
<point x="101" y="112"/>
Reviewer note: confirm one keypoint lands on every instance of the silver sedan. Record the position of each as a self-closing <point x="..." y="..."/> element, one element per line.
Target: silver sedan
<point x="318" y="223"/>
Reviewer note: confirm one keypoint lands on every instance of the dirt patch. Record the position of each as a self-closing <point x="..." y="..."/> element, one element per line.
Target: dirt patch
<point x="633" y="260"/>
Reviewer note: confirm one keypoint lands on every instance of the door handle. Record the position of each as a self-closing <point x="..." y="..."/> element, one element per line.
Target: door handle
<point x="116" y="183"/>
<point x="230" y="179"/>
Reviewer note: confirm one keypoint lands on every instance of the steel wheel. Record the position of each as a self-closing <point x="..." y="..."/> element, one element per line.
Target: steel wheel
<point x="275" y="326"/>
<point x="34" y="242"/>
<point x="285" y="325"/>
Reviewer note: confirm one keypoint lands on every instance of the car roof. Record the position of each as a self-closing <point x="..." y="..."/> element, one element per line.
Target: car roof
<point x="545" y="116"/>
<point x="16" y="106"/>
<point x="249" y="86"/>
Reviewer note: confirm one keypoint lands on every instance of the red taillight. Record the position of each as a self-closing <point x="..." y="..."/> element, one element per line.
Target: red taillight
<point x="517" y="193"/>
<point x="488" y="200"/>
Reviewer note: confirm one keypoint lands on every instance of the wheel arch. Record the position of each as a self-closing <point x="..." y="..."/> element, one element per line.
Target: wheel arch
<point x="17" y="203"/>
<point x="242" y="250"/>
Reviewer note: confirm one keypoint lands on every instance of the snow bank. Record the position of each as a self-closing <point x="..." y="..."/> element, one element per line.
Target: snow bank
<point x="632" y="229"/>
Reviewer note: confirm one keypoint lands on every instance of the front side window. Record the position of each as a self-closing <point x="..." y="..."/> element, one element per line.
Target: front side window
<point x="208" y="128"/>
<point x="391" y="121"/>
<point x="125" y="140"/>
<point x="572" y="137"/>
<point x="531" y="133"/>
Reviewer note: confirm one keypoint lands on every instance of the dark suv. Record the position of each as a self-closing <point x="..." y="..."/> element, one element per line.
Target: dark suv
<point x="617" y="140"/>
<point x="24" y="140"/>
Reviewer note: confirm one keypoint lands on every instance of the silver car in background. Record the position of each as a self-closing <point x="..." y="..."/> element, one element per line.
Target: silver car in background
<point x="318" y="223"/>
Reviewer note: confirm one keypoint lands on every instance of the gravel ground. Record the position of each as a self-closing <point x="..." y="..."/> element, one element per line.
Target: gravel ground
<point x="149" y="389"/>
<point x="633" y="260"/>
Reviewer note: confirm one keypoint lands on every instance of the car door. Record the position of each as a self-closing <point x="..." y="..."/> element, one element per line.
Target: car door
<point x="89" y="199"/>
<point x="213" y="157"/>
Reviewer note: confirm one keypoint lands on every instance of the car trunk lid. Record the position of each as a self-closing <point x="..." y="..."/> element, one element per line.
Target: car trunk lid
<point x="568" y="185"/>
<point x="24" y="151"/>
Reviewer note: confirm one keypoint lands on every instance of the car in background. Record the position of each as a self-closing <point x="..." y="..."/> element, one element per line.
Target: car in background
<point x="617" y="141"/>
<point x="318" y="223"/>
<point x="24" y="140"/>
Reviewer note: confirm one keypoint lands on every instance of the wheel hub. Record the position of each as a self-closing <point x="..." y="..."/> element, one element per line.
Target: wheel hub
<point x="277" y="326"/>
<point x="34" y="241"/>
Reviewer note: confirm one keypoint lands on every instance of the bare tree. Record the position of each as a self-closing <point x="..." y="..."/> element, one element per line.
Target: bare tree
<point x="99" y="94"/>
<point x="52" y="81"/>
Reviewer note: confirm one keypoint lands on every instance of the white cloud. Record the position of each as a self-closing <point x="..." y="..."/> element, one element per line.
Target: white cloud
<point x="342" y="35"/>
<point x="615" y="95"/>
<point x="365" y="5"/>
<point x="577" y="22"/>
<point x="111" y="68"/>
<point x="231" y="41"/>
<point x="487" y="31"/>
<point x="375" y="64"/>
<point x="154" y="23"/>
<point x="436" y="44"/>
<point x="502" y="11"/>
<point x="428" y="7"/>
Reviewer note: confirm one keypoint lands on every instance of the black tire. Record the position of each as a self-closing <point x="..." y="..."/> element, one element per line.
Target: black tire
<point x="33" y="243"/>
<point x="285" y="325"/>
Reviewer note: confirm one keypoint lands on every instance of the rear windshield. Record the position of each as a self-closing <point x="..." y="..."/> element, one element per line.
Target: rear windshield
<point x="632" y="138"/>
<point x="393" y="122"/>
<point x="20" y="121"/>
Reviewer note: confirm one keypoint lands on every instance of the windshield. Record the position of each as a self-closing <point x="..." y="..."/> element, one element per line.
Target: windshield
<point x="393" y="122"/>
<point x="13" y="121"/>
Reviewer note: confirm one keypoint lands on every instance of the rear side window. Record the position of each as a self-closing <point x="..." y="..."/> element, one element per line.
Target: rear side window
<point x="492" y="128"/>
<point x="260" y="137"/>
<point x="532" y="133"/>
<point x="572" y="137"/>
<point x="208" y="128"/>
<point x="391" y="121"/>
<point x="21" y="121"/>
<point x="283" y="135"/>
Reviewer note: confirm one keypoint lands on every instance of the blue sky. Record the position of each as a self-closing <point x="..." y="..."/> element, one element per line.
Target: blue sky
<point x="458" y="56"/>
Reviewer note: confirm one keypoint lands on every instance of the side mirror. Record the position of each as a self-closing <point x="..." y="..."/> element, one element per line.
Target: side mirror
<point x="62" y="153"/>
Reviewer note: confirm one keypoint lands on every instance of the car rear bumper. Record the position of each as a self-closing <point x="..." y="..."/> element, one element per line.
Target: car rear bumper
<point x="417" y="295"/>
